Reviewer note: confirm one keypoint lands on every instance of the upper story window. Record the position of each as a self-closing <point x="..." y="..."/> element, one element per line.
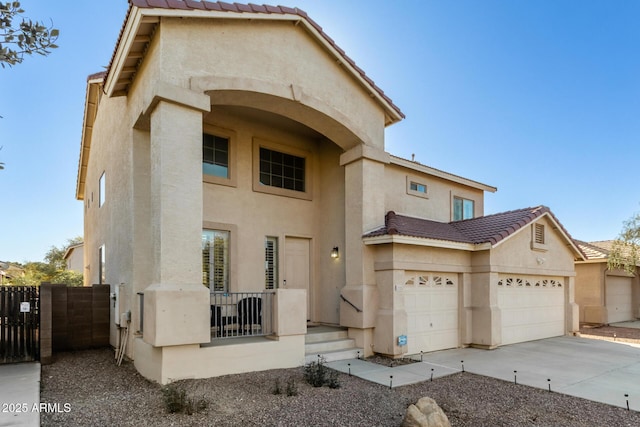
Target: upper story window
<point x="416" y="187"/>
<point x="102" y="189"/>
<point x="462" y="208"/>
<point x="282" y="170"/>
<point x="215" y="155"/>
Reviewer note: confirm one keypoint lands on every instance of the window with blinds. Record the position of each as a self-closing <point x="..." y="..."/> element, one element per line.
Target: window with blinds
<point x="271" y="262"/>
<point x="215" y="260"/>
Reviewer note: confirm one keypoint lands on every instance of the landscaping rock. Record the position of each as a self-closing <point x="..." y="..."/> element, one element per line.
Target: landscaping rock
<point x="425" y="413"/>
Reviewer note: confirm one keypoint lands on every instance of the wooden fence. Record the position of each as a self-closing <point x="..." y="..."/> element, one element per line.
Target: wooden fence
<point x="73" y="318"/>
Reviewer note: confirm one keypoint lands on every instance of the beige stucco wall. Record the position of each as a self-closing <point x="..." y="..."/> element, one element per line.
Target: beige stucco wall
<point x="437" y="206"/>
<point x="590" y="291"/>
<point x="478" y="272"/>
<point x="263" y="65"/>
<point x="75" y="260"/>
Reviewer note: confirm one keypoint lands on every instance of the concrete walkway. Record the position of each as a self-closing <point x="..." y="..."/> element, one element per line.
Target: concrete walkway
<point x="596" y="370"/>
<point x="19" y="392"/>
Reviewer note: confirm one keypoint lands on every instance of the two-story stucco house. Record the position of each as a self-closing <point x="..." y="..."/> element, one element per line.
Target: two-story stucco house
<point x="237" y="189"/>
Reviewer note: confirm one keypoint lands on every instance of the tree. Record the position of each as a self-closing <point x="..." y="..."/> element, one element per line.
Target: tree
<point x="625" y="250"/>
<point x="54" y="270"/>
<point x="24" y="38"/>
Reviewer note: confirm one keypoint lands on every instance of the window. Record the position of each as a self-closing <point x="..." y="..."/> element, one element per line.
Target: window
<point x="215" y="155"/>
<point x="101" y="193"/>
<point x="271" y="263"/>
<point x="102" y="263"/>
<point x="282" y="170"/>
<point x="416" y="187"/>
<point x="462" y="209"/>
<point x="215" y="260"/>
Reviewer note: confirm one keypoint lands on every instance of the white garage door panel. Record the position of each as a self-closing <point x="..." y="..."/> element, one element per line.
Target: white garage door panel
<point x="431" y="302"/>
<point x="531" y="310"/>
<point x="618" y="299"/>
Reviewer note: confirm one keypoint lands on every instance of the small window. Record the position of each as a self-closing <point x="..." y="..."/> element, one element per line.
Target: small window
<point x="102" y="265"/>
<point x="282" y="170"/>
<point x="215" y="155"/>
<point x="416" y="187"/>
<point x="102" y="188"/>
<point x="271" y="262"/>
<point x="215" y="260"/>
<point x="462" y="209"/>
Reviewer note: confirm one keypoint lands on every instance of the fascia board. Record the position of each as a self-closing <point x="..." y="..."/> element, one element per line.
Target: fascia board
<point x="419" y="241"/>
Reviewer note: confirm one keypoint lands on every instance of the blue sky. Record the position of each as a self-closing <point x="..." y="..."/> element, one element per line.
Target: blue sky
<point x="538" y="98"/>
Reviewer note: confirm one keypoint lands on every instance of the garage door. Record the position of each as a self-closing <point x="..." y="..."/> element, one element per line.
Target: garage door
<point x="532" y="308"/>
<point x="431" y="302"/>
<point x="618" y="299"/>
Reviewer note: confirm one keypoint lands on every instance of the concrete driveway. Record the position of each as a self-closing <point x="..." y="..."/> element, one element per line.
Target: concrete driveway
<point x="592" y="369"/>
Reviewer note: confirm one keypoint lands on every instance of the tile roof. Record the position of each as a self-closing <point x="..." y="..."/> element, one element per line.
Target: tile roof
<point x="220" y="6"/>
<point x="485" y="229"/>
<point x="595" y="250"/>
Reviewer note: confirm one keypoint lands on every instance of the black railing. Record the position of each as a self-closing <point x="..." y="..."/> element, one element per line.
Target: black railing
<point x="350" y="303"/>
<point x="140" y="311"/>
<point x="19" y="324"/>
<point x="241" y="314"/>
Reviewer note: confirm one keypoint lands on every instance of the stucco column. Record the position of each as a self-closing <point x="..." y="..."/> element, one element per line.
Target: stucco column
<point x="176" y="308"/>
<point x="486" y="329"/>
<point x="364" y="210"/>
<point x="572" y="311"/>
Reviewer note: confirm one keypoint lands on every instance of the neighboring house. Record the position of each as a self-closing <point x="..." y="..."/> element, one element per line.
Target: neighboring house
<point x="9" y="271"/>
<point x="74" y="257"/>
<point x="235" y="181"/>
<point x="605" y="296"/>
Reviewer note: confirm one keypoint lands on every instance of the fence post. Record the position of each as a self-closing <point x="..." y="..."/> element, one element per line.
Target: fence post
<point x="45" y="324"/>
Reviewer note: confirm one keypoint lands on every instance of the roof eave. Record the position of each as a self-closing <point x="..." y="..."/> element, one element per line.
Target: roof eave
<point x="441" y="174"/>
<point x="90" y="109"/>
<point x="422" y="241"/>
<point x="137" y="16"/>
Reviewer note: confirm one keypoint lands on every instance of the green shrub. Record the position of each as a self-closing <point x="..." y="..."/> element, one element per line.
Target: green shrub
<point x="318" y="375"/>
<point x="176" y="401"/>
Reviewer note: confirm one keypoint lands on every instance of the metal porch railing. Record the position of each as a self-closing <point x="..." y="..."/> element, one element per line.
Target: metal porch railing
<point x="241" y="314"/>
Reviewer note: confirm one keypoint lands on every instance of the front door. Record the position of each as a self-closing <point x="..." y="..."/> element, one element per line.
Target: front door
<point x="297" y="267"/>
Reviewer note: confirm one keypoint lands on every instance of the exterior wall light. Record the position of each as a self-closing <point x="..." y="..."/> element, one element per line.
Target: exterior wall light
<point x="335" y="253"/>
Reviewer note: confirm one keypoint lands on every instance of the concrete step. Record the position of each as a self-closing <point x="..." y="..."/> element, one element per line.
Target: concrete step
<point x="326" y="346"/>
<point x="326" y="336"/>
<point x="332" y="356"/>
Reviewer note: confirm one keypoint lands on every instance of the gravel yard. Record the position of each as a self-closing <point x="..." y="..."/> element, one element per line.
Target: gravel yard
<point x="101" y="393"/>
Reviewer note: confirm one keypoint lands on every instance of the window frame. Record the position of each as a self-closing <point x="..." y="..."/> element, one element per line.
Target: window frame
<point x="462" y="206"/>
<point x="231" y="179"/>
<point x="226" y="285"/>
<point x="411" y="180"/>
<point x="307" y="194"/>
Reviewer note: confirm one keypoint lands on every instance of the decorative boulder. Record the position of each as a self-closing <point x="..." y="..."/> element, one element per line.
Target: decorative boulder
<point x="425" y="413"/>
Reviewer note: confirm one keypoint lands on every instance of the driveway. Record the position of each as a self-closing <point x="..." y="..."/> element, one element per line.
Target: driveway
<point x="597" y="370"/>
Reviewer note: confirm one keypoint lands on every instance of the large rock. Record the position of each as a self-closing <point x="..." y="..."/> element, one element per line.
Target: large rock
<point x="425" y="413"/>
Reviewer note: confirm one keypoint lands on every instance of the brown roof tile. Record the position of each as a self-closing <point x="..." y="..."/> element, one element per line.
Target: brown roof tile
<point x="485" y="229"/>
<point x="250" y="8"/>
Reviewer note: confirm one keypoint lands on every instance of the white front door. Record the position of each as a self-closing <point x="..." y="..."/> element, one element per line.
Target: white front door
<point x="297" y="261"/>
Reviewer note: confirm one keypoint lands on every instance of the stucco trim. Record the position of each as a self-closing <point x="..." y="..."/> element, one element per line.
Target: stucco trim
<point x="168" y="92"/>
<point x="415" y="166"/>
<point x="364" y="152"/>
<point x="420" y="241"/>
